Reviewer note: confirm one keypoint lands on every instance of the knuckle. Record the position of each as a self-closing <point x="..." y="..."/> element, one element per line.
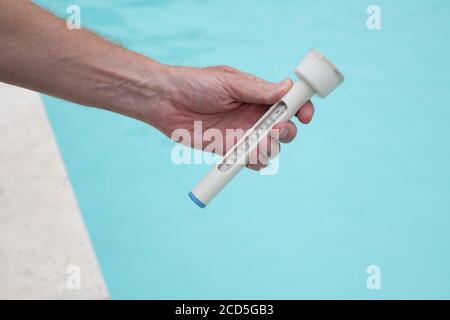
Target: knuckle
<point x="265" y="86"/>
<point x="227" y="69"/>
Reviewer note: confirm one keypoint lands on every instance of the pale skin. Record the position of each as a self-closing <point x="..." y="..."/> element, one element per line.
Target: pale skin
<point x="39" y="52"/>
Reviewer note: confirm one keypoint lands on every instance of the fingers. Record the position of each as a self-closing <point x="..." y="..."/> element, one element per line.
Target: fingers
<point x="284" y="132"/>
<point x="250" y="89"/>
<point x="228" y="69"/>
<point x="306" y="113"/>
<point x="268" y="149"/>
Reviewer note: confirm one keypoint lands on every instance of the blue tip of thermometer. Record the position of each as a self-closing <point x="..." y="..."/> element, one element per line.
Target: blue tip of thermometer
<point x="316" y="76"/>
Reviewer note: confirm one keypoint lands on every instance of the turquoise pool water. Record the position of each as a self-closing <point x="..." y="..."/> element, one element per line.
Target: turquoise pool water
<point x="368" y="183"/>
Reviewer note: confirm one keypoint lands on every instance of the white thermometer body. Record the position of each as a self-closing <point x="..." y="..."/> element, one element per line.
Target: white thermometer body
<point x="316" y="76"/>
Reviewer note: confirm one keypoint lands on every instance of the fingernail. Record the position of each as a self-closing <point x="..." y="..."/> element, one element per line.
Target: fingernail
<point x="284" y="84"/>
<point x="263" y="159"/>
<point x="284" y="132"/>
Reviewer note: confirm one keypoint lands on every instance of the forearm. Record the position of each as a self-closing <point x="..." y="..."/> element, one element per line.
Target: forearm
<point x="38" y="51"/>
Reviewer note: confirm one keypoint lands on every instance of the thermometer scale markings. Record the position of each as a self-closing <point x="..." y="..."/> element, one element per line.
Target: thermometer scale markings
<point x="240" y="151"/>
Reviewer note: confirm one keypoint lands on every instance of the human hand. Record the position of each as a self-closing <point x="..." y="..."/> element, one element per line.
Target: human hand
<point x="103" y="75"/>
<point x="222" y="98"/>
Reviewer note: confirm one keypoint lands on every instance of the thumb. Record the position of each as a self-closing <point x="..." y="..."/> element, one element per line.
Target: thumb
<point x="250" y="89"/>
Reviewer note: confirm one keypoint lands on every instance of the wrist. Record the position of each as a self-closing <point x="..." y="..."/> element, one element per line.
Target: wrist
<point x="138" y="90"/>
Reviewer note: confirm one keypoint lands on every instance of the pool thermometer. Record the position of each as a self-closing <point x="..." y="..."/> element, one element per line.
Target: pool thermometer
<point x="316" y="75"/>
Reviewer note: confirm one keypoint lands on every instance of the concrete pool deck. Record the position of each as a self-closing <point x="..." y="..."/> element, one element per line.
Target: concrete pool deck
<point x="42" y="232"/>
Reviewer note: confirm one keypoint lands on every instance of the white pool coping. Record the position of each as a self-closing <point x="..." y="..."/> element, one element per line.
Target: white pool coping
<point x="42" y="232"/>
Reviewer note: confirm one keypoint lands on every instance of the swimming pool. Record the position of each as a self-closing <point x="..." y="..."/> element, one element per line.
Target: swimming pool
<point x="367" y="183"/>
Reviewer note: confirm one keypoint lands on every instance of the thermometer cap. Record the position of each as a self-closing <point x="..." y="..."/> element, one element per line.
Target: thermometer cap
<point x="319" y="73"/>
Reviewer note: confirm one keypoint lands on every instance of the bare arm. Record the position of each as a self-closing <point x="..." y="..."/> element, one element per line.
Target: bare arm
<point x="38" y="52"/>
